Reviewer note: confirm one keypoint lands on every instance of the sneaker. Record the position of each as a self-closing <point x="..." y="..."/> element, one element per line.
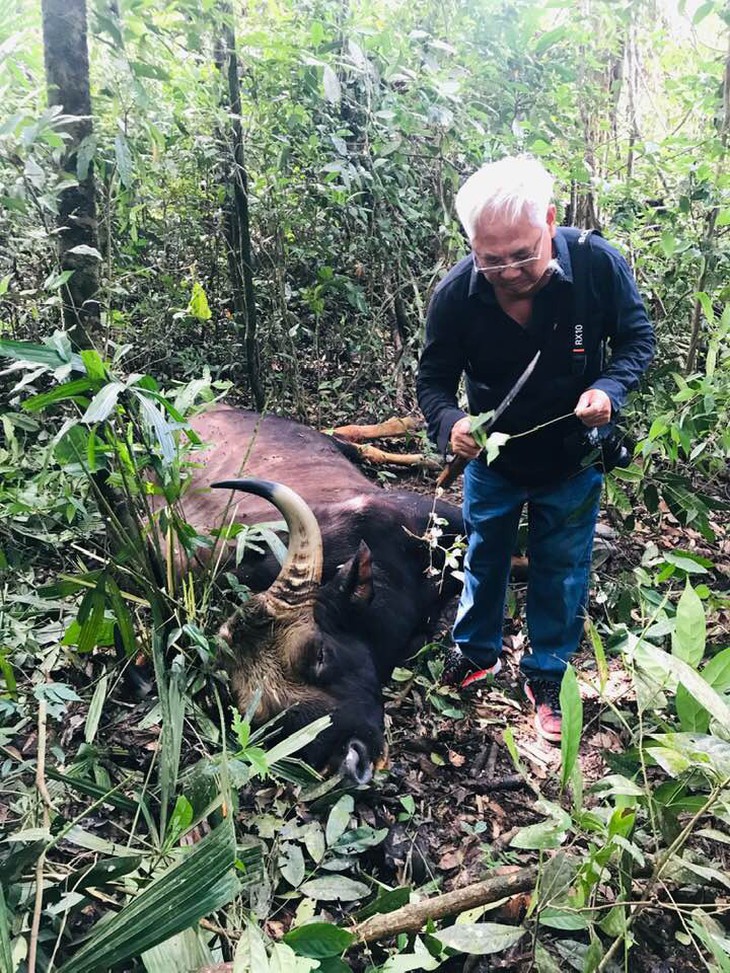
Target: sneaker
<point x="461" y="673"/>
<point x="544" y="694"/>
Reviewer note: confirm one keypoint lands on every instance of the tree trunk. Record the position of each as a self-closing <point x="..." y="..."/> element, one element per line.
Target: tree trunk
<point x="67" y="78"/>
<point x="237" y="225"/>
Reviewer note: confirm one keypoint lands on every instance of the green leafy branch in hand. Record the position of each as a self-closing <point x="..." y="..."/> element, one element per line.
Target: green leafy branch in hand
<point x="493" y="442"/>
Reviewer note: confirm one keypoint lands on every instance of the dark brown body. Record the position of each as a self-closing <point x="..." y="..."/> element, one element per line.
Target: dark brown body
<point x="368" y="606"/>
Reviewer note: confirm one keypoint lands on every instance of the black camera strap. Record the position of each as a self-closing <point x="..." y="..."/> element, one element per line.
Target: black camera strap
<point x="580" y="258"/>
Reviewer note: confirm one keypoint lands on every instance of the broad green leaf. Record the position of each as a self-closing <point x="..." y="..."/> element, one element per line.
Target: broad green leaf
<point x="185" y="951"/>
<point x="195" y="887"/>
<point x="717" y="671"/>
<point x="557" y="876"/>
<point x="333" y="888"/>
<point x="419" y="960"/>
<point x="319" y="940"/>
<point x="39" y="354"/>
<point x="250" y="956"/>
<point x="339" y="818"/>
<point x="690" y="564"/>
<point x="550" y="833"/>
<point x="385" y="902"/>
<point x="544" y="963"/>
<point x="297" y="740"/>
<point x="692" y="681"/>
<point x="84" y="155"/>
<point x="103" y="403"/>
<point x="198" y="307"/>
<point x="480" y="938"/>
<point x="693" y="750"/>
<point x="564" y="919"/>
<point x="616" y="785"/>
<point x="688" y="638"/>
<point x="5" y="943"/>
<point x="284" y="960"/>
<point x="291" y="864"/>
<point x="62" y="393"/>
<point x="124" y="160"/>
<point x="494" y="443"/>
<point x="358" y="840"/>
<point x="314" y="842"/>
<point x="96" y="707"/>
<point x="158" y="426"/>
<point x="571" y="706"/>
<point x="180" y="819"/>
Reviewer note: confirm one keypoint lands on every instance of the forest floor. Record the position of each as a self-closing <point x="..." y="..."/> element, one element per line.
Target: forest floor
<point x="451" y="798"/>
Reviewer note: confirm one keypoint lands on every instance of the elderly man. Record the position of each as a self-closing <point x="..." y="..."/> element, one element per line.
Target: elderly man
<point x="530" y="292"/>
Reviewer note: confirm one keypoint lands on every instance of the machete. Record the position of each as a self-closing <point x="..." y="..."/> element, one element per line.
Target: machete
<point x="457" y="464"/>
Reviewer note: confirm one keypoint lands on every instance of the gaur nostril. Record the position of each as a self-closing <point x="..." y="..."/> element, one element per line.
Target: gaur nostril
<point x="357" y="763"/>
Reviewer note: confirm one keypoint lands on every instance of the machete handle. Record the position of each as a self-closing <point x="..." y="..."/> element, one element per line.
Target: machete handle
<point x="450" y="472"/>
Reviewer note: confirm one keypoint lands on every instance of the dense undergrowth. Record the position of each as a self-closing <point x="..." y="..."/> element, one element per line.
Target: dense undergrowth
<point x="116" y="738"/>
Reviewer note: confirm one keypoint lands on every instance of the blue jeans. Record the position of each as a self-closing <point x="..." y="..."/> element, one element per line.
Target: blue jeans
<point x="561" y="524"/>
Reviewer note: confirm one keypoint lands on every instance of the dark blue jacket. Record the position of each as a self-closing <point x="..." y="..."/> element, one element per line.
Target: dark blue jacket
<point x="468" y="333"/>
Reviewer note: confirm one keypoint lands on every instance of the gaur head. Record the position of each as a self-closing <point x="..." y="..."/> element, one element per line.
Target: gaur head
<point x="302" y="645"/>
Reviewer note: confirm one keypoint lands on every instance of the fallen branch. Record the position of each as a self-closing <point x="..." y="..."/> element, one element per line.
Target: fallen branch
<point x="374" y="455"/>
<point x="412" y="917"/>
<point x="390" y="429"/>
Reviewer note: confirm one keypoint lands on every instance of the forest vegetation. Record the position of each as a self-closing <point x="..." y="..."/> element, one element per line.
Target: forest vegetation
<point x="206" y="200"/>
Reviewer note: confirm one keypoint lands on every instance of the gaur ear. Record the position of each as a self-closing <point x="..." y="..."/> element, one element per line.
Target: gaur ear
<point x="355" y="578"/>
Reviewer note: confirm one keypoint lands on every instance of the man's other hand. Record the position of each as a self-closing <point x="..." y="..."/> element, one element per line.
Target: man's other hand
<point x="593" y="409"/>
<point x="462" y="442"/>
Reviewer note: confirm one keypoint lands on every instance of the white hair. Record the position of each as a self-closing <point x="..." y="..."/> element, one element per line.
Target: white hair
<point x="513" y="187"/>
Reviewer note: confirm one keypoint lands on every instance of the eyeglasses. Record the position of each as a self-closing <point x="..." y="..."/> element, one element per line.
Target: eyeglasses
<point x="490" y="268"/>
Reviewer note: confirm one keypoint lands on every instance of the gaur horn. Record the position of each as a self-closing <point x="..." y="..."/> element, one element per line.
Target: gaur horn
<point x="301" y="572"/>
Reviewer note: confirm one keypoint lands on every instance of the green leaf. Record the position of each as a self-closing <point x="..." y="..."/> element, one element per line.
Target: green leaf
<point x="124" y="160"/>
<point x="180" y="819"/>
<point x="549" y="38"/>
<point x="494" y="443"/>
<point x="339" y="818"/>
<point x="158" y="426"/>
<point x="333" y="888"/>
<point x="717" y="671"/>
<point x="185" y="951"/>
<point x="547" y="834"/>
<point x="332" y="89"/>
<point x="96" y="707"/>
<point x="319" y="940"/>
<point x="6" y="962"/>
<point x="689" y="563"/>
<point x="600" y="654"/>
<point x="198" y="307"/>
<point x="84" y="156"/>
<point x="480" y="938"/>
<point x="185" y="893"/>
<point x="692" y="681"/>
<point x="297" y="740"/>
<point x="668" y="243"/>
<point x="704" y="10"/>
<point x="688" y="637"/>
<point x="291" y="864"/>
<point x="385" y="902"/>
<point x="358" y="840"/>
<point x="571" y="706"/>
<point x="103" y="403"/>
<point x="564" y="919"/>
<point x="62" y="393"/>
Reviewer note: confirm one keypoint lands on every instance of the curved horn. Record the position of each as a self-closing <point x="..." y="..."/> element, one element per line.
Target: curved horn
<point x="301" y="572"/>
